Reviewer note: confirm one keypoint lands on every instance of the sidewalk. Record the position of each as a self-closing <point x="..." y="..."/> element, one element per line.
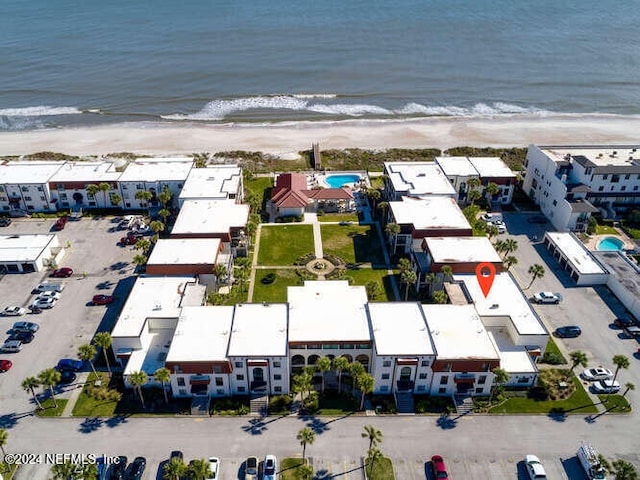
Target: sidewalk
<point x="76" y="389"/>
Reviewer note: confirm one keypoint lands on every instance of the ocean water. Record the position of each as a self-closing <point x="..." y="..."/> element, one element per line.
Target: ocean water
<point x="83" y="62"/>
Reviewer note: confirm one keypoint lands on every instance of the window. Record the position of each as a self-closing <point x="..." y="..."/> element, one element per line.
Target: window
<point x="444" y="380"/>
<point x="385" y="376"/>
<point x="331" y="346"/>
<point x="386" y="363"/>
<point x="623" y="188"/>
<point x="635" y="188"/>
<point x="277" y="389"/>
<point x="40" y="188"/>
<point x="523" y="379"/>
<point x="219" y="382"/>
<point x="482" y="379"/>
<point x="384" y="388"/>
<point x="277" y="364"/>
<point x="30" y="207"/>
<point x="241" y="389"/>
<point x="27" y="198"/>
<point x="421" y="388"/>
<point x="425" y="363"/>
<point x="600" y="189"/>
<point x="139" y="186"/>
<point x="90" y="196"/>
<point x="238" y="364"/>
<point x="363" y="346"/>
<point x="605" y="176"/>
<point x="347" y="346"/>
<point x="182" y="391"/>
<point x="277" y="377"/>
<point x="447" y="367"/>
<point x="181" y="382"/>
<point x="63" y="196"/>
<point x="42" y="198"/>
<point x="555" y="202"/>
<point x="479" y="390"/>
<point x="627" y="176"/>
<point x="217" y="369"/>
<point x="240" y="377"/>
<point x="442" y="390"/>
<point x="220" y="391"/>
<point x="423" y="376"/>
<point x="615" y="178"/>
<point x="124" y="186"/>
<point x="25" y="189"/>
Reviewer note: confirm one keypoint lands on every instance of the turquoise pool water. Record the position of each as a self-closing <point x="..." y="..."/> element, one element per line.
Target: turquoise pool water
<point x="337" y="181"/>
<point x="610" y="243"/>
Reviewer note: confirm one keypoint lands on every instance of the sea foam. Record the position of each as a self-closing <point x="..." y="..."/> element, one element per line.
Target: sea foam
<point x="39" y="111"/>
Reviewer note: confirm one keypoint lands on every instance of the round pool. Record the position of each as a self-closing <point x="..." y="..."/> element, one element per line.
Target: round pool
<point x="337" y="181"/>
<point x="610" y="243"/>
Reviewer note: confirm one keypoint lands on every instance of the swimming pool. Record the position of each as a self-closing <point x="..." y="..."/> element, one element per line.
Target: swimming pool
<point x="337" y="181"/>
<point x="610" y="243"/>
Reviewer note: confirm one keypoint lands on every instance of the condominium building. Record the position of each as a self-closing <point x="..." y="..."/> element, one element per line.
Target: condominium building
<point x="24" y="187"/>
<point x="416" y="179"/>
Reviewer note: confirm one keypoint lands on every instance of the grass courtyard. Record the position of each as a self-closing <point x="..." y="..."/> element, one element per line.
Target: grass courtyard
<point x="353" y="243"/>
<point x="276" y="291"/>
<point x="283" y="245"/>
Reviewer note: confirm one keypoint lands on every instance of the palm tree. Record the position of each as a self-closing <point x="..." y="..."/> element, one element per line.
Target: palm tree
<point x="620" y="361"/>
<point x="115" y="199"/>
<point x="373" y="434"/>
<point x="491" y="230"/>
<point x="305" y="471"/>
<point x="499" y="246"/>
<point x="199" y="469"/>
<point x="139" y="260"/>
<point x="628" y="386"/>
<point x="4" y="437"/>
<point x="302" y="384"/>
<point x="86" y="353"/>
<point x="174" y="469"/>
<point x="164" y="213"/>
<point x="242" y="276"/>
<point x="509" y="261"/>
<point x="447" y="272"/>
<point x="430" y="279"/>
<point x="165" y="196"/>
<point x="92" y="190"/>
<point x="104" y="187"/>
<point x="500" y="377"/>
<point x="473" y="183"/>
<point x="373" y="455"/>
<point x="64" y="471"/>
<point x="324" y="365"/>
<point x="157" y="226"/>
<point x="143" y="245"/>
<point x="404" y="264"/>
<point x="220" y="271"/>
<point x="87" y="470"/>
<point x="30" y="384"/>
<point x="536" y="271"/>
<point x="473" y="196"/>
<point x="163" y="375"/>
<point x="339" y="365"/>
<point x="103" y="340"/>
<point x="624" y="470"/>
<point x="510" y="245"/>
<point x="392" y="229"/>
<point x="365" y="385"/>
<point x="144" y="198"/>
<point x="578" y="358"/>
<point x="373" y="290"/>
<point x="408" y="278"/>
<point x="137" y="381"/>
<point x="382" y="208"/>
<point x="49" y="378"/>
<point x="491" y="190"/>
<point x="356" y="369"/>
<point x="440" y="297"/>
<point x="306" y="436"/>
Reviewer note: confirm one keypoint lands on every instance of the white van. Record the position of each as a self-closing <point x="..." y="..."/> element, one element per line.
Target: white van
<point x="590" y="462"/>
<point x="50" y="287"/>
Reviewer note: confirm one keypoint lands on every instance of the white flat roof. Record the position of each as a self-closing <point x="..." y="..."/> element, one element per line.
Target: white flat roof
<point x="400" y="329"/>
<point x="92" y="172"/>
<point x="202" y="334"/>
<point x="505" y="299"/>
<point x="185" y="251"/>
<point x="489" y="167"/>
<point x="259" y="330"/>
<point x="601" y="156"/>
<point x="212" y="182"/>
<point x="157" y="169"/>
<point x="429" y="213"/>
<point x="210" y="216"/>
<point x="462" y="250"/>
<point x="22" y="173"/>
<point x="23" y="248"/>
<point x="576" y="253"/>
<point x="458" y="333"/>
<point x="150" y="297"/>
<point x="419" y="178"/>
<point x="513" y="358"/>
<point x="457" y="166"/>
<point x="328" y="311"/>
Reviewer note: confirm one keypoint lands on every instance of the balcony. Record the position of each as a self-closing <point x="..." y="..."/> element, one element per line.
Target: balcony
<point x="404" y="385"/>
<point x="464" y="378"/>
<point x="259" y="386"/>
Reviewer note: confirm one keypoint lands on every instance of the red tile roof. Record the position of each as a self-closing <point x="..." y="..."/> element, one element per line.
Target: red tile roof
<point x="329" y="194"/>
<point x="291" y="191"/>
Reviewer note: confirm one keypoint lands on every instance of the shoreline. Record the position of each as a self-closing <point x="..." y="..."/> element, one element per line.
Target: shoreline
<point x="432" y="132"/>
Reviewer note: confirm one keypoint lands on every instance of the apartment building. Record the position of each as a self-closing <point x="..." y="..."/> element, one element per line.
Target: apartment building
<point x="416" y="179"/>
<point x="220" y="182"/>
<point x="24" y="187"/>
<point x="68" y="186"/>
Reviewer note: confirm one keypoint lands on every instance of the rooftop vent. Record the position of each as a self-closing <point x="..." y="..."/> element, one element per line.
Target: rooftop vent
<point x="494" y="306"/>
<point x="422" y="175"/>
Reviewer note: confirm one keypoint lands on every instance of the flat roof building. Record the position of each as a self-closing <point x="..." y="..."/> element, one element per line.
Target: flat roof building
<point x="218" y="182"/>
<point x="184" y="256"/>
<point x="623" y="279"/>
<point x="259" y="330"/>
<point x="28" y="253"/>
<point x="210" y="219"/>
<point x="574" y="257"/>
<point x="416" y="179"/>
<point x="157" y="169"/>
<point x="462" y="254"/>
<point x="399" y="328"/>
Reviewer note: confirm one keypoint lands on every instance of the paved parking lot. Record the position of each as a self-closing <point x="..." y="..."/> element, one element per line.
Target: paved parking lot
<point x="72" y="321"/>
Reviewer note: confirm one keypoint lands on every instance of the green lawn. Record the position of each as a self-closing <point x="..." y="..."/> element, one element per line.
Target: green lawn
<point x="382" y="470"/>
<point x="334" y="404"/>
<point x="283" y="245"/>
<point x="606" y="230"/>
<point x="258" y="186"/>
<point x="338" y="217"/>
<point x="579" y="402"/>
<point x="361" y="276"/>
<point x="352" y="243"/>
<point x="50" y="410"/>
<point x="617" y="403"/>
<point x="553" y="353"/>
<point x="275" y="292"/>
<point x="289" y="469"/>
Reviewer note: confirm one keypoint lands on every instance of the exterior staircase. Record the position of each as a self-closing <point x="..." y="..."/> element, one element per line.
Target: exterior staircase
<point x="404" y="402"/>
<point x="464" y="404"/>
<point x="200" y="405"/>
<point x="259" y="405"/>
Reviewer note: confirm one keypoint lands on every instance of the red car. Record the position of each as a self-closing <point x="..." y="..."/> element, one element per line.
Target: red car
<point x="5" y="365"/>
<point x="439" y="468"/>
<point x="102" y="299"/>
<point x="60" y="223"/>
<point x="62" y="272"/>
<point x="130" y="239"/>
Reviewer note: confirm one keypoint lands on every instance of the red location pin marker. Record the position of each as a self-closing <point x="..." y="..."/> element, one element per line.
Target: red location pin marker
<point x="485" y="273"/>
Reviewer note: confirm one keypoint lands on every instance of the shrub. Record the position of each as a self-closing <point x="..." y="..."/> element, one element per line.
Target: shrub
<point x="311" y="403"/>
<point x="432" y="404"/>
<point x="553" y="358"/>
<point x="280" y="404"/>
<point x="384" y="403"/>
<point x="268" y="279"/>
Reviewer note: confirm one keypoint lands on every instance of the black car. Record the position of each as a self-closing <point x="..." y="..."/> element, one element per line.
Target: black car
<point x="5" y="222"/>
<point x="136" y="469"/>
<point x="24" y="337"/>
<point x="66" y="377"/>
<point x="117" y="470"/>
<point x="570" y="331"/>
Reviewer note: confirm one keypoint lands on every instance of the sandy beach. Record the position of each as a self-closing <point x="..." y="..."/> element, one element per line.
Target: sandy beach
<point x="164" y="138"/>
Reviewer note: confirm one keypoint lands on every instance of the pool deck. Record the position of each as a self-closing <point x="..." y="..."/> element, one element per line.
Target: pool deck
<point x="594" y="240"/>
<point x="319" y="178"/>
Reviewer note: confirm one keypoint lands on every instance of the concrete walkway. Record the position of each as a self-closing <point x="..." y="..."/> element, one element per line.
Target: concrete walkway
<point x="312" y="218"/>
<point x="81" y="379"/>
<point x="254" y="264"/>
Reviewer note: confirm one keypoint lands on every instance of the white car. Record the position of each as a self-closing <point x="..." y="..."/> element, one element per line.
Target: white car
<point x="43" y="303"/>
<point x="214" y="465"/>
<point x="13" y="311"/>
<point x="598" y="373"/>
<point x="535" y="469"/>
<point x="606" y="386"/>
<point x="50" y="294"/>
<point x="270" y="468"/>
<point x="547" y="297"/>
